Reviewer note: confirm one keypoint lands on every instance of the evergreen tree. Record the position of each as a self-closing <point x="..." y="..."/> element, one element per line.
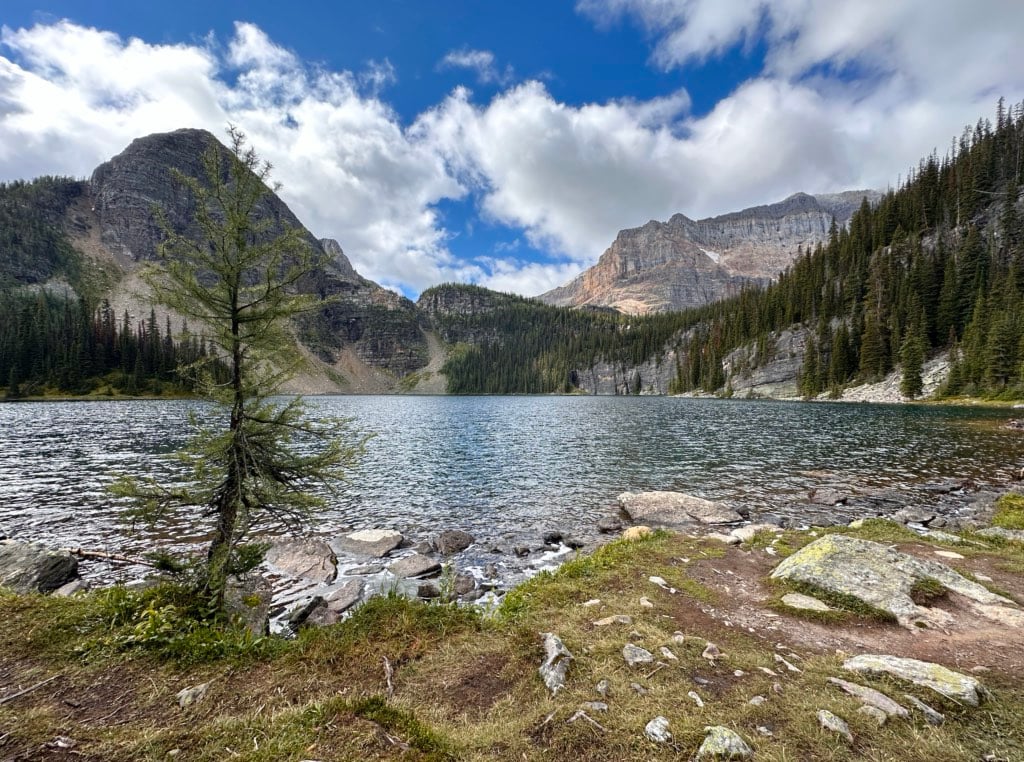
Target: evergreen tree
<point x="912" y="359"/>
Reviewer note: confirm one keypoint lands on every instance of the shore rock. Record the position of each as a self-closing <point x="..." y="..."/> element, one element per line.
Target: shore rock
<point x="946" y="682"/>
<point x="879" y="576"/>
<point x="376" y="543"/>
<point x="451" y="541"/>
<point x="414" y="566"/>
<point x="347" y="595"/>
<point x="32" y="568"/>
<point x="637" y="532"/>
<point x="723" y="743"/>
<point x="609" y="525"/>
<point x="557" y="659"/>
<point x="675" y="509"/>
<point x="304" y="557"/>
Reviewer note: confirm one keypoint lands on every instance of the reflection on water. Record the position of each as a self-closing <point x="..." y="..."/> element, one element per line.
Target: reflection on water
<point x="502" y="467"/>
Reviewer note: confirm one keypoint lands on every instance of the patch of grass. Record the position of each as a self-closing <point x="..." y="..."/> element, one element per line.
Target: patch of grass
<point x="926" y="590"/>
<point x="411" y="730"/>
<point x="1009" y="511"/>
<point x="879" y="530"/>
<point x="841" y="601"/>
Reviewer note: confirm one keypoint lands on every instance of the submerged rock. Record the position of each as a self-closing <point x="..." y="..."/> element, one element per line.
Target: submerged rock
<point x="556" y="662"/>
<point x="31" y="568"/>
<point x="723" y="743"/>
<point x="304" y="557"/>
<point x="879" y="576"/>
<point x="675" y="509"/>
<point x="946" y="682"/>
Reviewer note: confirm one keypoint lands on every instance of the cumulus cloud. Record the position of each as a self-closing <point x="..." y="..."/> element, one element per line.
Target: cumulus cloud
<point x="72" y="96"/>
<point x="480" y="61"/>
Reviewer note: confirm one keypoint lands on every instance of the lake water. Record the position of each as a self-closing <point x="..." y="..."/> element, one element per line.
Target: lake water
<point x="508" y="468"/>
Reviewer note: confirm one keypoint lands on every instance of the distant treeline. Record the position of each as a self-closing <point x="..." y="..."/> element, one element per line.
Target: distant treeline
<point x="54" y="343"/>
<point x="936" y="264"/>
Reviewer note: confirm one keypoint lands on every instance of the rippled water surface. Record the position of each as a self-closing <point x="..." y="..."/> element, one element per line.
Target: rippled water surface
<point x="503" y="467"/>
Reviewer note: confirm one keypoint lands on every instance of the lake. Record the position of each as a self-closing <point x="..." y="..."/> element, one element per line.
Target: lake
<point x="508" y="468"/>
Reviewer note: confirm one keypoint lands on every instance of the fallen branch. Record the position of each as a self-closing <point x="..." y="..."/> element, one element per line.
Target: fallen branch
<point x="102" y="555"/>
<point x="19" y="694"/>
<point x="581" y="715"/>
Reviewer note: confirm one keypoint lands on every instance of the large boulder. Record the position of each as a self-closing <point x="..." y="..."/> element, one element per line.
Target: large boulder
<point x="883" y="578"/>
<point x="307" y="558"/>
<point x="376" y="543"/>
<point x="31" y="568"/>
<point x="675" y="509"/>
<point x="953" y="685"/>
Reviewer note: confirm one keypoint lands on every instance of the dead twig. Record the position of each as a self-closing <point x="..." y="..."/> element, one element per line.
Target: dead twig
<point x="389" y="673"/>
<point x="31" y="688"/>
<point x="581" y="715"/>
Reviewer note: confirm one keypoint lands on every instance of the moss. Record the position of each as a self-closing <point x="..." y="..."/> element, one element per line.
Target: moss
<point x="1009" y="512"/>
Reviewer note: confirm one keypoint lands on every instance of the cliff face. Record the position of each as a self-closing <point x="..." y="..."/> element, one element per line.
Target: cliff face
<point x="361" y="323"/>
<point x="686" y="263"/>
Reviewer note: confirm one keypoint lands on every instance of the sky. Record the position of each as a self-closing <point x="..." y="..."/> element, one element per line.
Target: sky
<point x="506" y="144"/>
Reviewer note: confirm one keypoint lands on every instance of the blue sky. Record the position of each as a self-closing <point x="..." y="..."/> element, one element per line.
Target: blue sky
<point x="506" y="143"/>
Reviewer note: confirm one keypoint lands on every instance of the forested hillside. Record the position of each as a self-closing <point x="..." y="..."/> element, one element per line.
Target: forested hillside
<point x="936" y="264"/>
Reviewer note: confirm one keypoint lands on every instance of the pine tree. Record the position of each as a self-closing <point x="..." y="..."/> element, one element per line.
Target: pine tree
<point x="912" y="359"/>
<point x="240" y="280"/>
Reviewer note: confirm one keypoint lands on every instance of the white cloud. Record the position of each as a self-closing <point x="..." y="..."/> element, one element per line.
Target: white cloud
<point x="482" y="62"/>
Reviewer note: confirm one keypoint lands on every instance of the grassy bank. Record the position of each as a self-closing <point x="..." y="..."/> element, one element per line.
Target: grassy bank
<point x="418" y="681"/>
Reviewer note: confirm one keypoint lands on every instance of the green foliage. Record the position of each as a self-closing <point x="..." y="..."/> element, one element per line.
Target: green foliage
<point x="1009" y="512"/>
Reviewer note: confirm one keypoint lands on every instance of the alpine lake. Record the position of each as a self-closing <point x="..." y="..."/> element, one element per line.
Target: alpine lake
<point x="508" y="469"/>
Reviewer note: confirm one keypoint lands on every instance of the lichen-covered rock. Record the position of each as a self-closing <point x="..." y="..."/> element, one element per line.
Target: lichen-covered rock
<point x="657" y="730"/>
<point x="636" y="655"/>
<point x="952" y="685"/>
<point x="307" y="558"/>
<point x="804" y="602"/>
<point x="675" y="509"/>
<point x="247" y="601"/>
<point x="879" y="576"/>
<point x="557" y="659"/>
<point x="32" y="568"/>
<point x="723" y="743"/>
<point x="837" y="725"/>
<point x="874" y="713"/>
<point x="1011" y="535"/>
<point x="871" y="697"/>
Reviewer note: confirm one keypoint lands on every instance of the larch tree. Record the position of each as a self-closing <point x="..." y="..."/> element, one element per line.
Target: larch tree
<point x="267" y="462"/>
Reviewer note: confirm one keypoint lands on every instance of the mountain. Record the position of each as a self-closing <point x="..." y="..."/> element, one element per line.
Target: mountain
<point x="684" y="263"/>
<point x="97" y="234"/>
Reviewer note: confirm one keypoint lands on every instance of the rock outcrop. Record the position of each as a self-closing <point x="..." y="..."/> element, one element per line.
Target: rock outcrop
<point x="686" y="263"/>
<point x="31" y="568"/>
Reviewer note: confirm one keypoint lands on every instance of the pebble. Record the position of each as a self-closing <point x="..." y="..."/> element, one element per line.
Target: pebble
<point x="645" y="602"/>
<point x="667" y="653"/>
<point x="657" y="730"/>
<point x="640" y="690"/>
<point x="711" y="652"/>
<point x="757" y="701"/>
<point x="696" y="699"/>
<point x="591" y="603"/>
<point x="594" y="706"/>
<point x="738" y="673"/>
<point x="614" y="619"/>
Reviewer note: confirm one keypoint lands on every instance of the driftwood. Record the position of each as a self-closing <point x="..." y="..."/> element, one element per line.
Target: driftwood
<point x="31" y="688"/>
<point x="102" y="555"/>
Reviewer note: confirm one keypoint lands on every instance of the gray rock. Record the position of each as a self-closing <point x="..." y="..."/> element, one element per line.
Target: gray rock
<point x="428" y="590"/>
<point x="946" y="682"/>
<point x="609" y="525"/>
<point x="556" y="662"/>
<point x="746" y="533"/>
<point x="613" y="619"/>
<point x="912" y="515"/>
<point x="827" y="496"/>
<point x="451" y="541"/>
<point x="573" y="542"/>
<point x="675" y="509"/>
<point x="463" y="585"/>
<point x="364" y="570"/>
<point x="831" y="722"/>
<point x="552" y="537"/>
<point x="188" y="696"/>
<point x="247" y="601"/>
<point x="72" y="587"/>
<point x="723" y="743"/>
<point x="415" y="565"/>
<point x="871" y="697"/>
<point x="376" y="543"/>
<point x="932" y="716"/>
<point x="657" y="730"/>
<point x="636" y="655"/>
<point x="874" y="713"/>
<point x="32" y="568"/>
<point x="299" y="615"/>
<point x="638" y="689"/>
<point x="594" y="706"/>
<point x="344" y="596"/>
<point x="804" y="602"/>
<point x="424" y="547"/>
<point x="1012" y="535"/>
<point x="521" y="551"/>
<point x="881" y="577"/>
<point x="307" y="558"/>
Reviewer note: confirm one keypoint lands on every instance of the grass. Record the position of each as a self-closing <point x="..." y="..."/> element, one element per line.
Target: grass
<point x="464" y="685"/>
<point x="1009" y="512"/>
